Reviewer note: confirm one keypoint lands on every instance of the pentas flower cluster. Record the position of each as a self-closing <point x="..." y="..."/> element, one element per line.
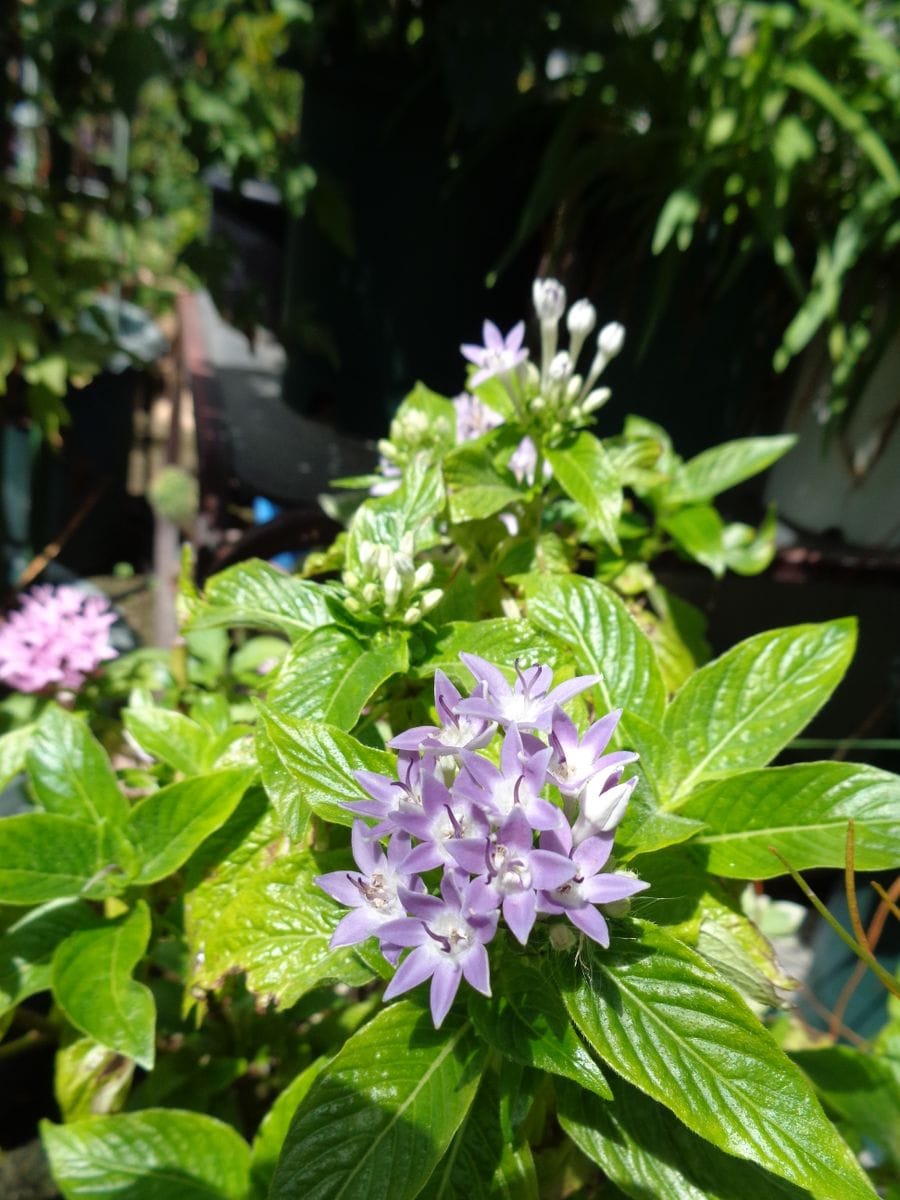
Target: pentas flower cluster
<point x="56" y="639"/>
<point x="524" y="837"/>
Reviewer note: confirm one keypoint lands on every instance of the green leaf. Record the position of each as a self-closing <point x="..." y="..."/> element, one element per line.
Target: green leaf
<point x="156" y="1154"/>
<point x="741" y="954"/>
<point x="526" y="1021"/>
<point x="308" y="767"/>
<point x="90" y="1080"/>
<point x="722" y="467"/>
<point x="676" y="219"/>
<point x="169" y="736"/>
<point x="45" y="856"/>
<point x="410" y="509"/>
<point x="648" y="1152"/>
<point x="744" y="707"/>
<point x="27" y="947"/>
<point x="592" y="620"/>
<point x="859" y="1089"/>
<point x="644" y="828"/>
<point x="13" y="751"/>
<point x="92" y="984"/>
<point x="381" y="1115"/>
<point x="277" y="930"/>
<point x="167" y="826"/>
<point x="330" y="675"/>
<point x="480" y="1164"/>
<point x="663" y="1019"/>
<point x="802" y="811"/>
<point x="500" y="640"/>
<point x="585" y="473"/>
<point x="698" y="533"/>
<point x="476" y="487"/>
<point x="257" y="595"/>
<point x="70" y="772"/>
<point x="275" y="1124"/>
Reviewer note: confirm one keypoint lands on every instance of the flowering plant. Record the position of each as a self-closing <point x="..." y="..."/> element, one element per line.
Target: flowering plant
<point x="444" y="755"/>
<point x="58" y="637"/>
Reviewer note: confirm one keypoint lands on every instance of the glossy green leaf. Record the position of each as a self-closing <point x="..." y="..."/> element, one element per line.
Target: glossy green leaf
<point x="410" y="509"/>
<point x="274" y="1126"/>
<point x="647" y="1152"/>
<point x="527" y="1021"/>
<point x="308" y="767"/>
<point x="167" y="826"/>
<point x="277" y="930"/>
<point x="170" y="737"/>
<point x="744" y="707"/>
<point x="330" y="675"/>
<point x="722" y="467"/>
<point x="257" y="595"/>
<point x="90" y="1080"/>
<point x="70" y="772"/>
<point x="27" y="947"/>
<point x="698" y="532"/>
<point x="592" y="620"/>
<point x="646" y="829"/>
<point x="46" y="856"/>
<point x="585" y="473"/>
<point x="802" y="811"/>
<point x="663" y="1019"/>
<point x="92" y="984"/>
<point x="381" y="1116"/>
<point x="501" y="640"/>
<point x="157" y="1154"/>
<point x="481" y="1164"/>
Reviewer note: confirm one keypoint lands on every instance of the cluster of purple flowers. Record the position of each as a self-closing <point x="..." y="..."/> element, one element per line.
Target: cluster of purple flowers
<point x="504" y="848"/>
<point x="56" y="638"/>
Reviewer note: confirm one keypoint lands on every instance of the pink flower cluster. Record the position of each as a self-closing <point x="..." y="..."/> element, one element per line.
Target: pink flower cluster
<point x="56" y="638"/>
<point x="526" y="837"/>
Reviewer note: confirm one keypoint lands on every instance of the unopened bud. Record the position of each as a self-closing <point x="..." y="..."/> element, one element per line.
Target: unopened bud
<point x="392" y="587"/>
<point x="618" y="908"/>
<point x="595" y="399"/>
<point x="368" y="551"/>
<point x="611" y="339"/>
<point x="412" y="615"/>
<point x="370" y="593"/>
<point x="423" y="575"/>
<point x="581" y="319"/>
<point x="385" y="559"/>
<point x="430" y="599"/>
<point x="562" y="937"/>
<point x="408" y="544"/>
<point x="352" y="604"/>
<point x="549" y="297"/>
<point x="351" y="579"/>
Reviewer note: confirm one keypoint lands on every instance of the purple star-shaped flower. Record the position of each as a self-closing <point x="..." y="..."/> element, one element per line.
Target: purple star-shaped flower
<point x="499" y="355"/>
<point x="510" y="868"/>
<point x="590" y="885"/>
<point x="392" y="796"/>
<point x="455" y="733"/>
<point x="528" y="704"/>
<point x="515" y="784"/>
<point x="575" y="761"/>
<point x="445" y="816"/>
<point x="372" y="892"/>
<point x="447" y="937"/>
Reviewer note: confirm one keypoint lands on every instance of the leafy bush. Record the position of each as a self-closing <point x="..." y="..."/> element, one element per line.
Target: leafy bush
<point x="183" y="881"/>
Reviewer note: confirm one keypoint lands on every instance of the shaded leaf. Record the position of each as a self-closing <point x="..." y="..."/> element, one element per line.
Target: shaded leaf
<point x="27" y="947"/>
<point x="585" y="473"/>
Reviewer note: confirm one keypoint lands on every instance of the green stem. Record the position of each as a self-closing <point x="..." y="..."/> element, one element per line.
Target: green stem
<point x="28" y="1041"/>
<point x="861" y="952"/>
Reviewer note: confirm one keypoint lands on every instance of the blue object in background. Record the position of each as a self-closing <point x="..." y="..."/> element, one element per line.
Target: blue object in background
<point x="264" y="511"/>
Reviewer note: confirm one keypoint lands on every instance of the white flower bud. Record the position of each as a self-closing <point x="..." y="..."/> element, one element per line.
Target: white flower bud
<point x="595" y="399"/>
<point x="561" y="367"/>
<point x="352" y="604"/>
<point x="601" y="811"/>
<point x="581" y="319"/>
<point x="412" y="615"/>
<point x="393" y="585"/>
<point x="368" y="551"/>
<point x="611" y="339"/>
<point x="549" y="297"/>
<point x="423" y="575"/>
<point x="430" y="599"/>
<point x="408" y="544"/>
<point x="385" y="559"/>
<point x="351" y="579"/>
<point x="386" y="448"/>
<point x="370" y="593"/>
